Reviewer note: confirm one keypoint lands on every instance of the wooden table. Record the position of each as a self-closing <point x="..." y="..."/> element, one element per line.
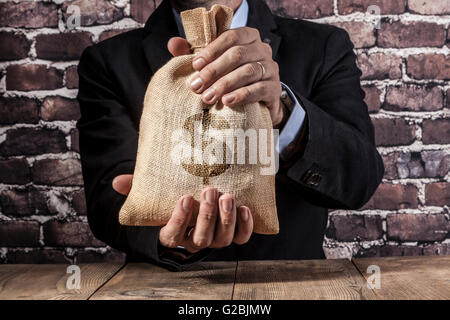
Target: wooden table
<point x="401" y="278"/>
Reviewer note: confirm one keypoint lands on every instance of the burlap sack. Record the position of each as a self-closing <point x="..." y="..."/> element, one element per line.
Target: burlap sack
<point x="183" y="142"/>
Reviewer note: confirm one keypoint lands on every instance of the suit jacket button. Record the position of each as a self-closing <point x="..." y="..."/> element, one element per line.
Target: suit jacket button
<point x="313" y="179"/>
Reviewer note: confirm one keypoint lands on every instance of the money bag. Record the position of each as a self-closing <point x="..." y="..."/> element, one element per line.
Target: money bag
<point x="185" y="145"/>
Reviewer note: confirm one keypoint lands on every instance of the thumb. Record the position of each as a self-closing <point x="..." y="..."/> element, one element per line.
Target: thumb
<point x="178" y="46"/>
<point x="122" y="184"/>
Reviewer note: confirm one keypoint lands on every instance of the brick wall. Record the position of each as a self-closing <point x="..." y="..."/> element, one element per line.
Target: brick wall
<point x="406" y="73"/>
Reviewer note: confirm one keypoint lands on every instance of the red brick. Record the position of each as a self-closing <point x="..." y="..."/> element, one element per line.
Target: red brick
<point x="18" y="110"/>
<point x="15" y="202"/>
<point x="14" y="171"/>
<point x="302" y="8"/>
<point x="23" y="202"/>
<point x="90" y="256"/>
<point x="429" y="7"/>
<point x="36" y="256"/>
<point x="76" y="234"/>
<point x="425" y="164"/>
<point x="410" y="165"/>
<point x="79" y="202"/>
<point x="19" y="233"/>
<point x="399" y="251"/>
<point x="414" y="98"/>
<point x="448" y="99"/>
<point x="14" y="46"/>
<point x="394" y="197"/>
<point x="414" y="34"/>
<point x="372" y="98"/>
<point x="57" y="172"/>
<point x="58" y="203"/>
<point x="93" y="12"/>
<point x="31" y="141"/>
<point x="28" y="14"/>
<point x="70" y="45"/>
<point x="72" y="77"/>
<point x="364" y="252"/>
<point x="389" y="251"/>
<point x="386" y="6"/>
<point x="362" y="34"/>
<point x="28" y="77"/>
<point x="393" y="132"/>
<point x="437" y="194"/>
<point x="141" y="10"/>
<point x="60" y="108"/>
<point x="380" y="66"/>
<point x="436" y="131"/>
<point x="353" y="227"/>
<point x="429" y="66"/>
<point x="390" y="165"/>
<point x="417" y="227"/>
<point x="111" y="33"/>
<point x="437" y="163"/>
<point x="437" y="249"/>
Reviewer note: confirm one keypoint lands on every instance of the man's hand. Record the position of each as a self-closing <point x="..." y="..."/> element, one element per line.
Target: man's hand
<point x="229" y="68"/>
<point x="219" y="222"/>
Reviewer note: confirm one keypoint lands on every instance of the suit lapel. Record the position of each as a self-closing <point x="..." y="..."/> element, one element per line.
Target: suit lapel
<point x="161" y="26"/>
<point x="260" y="17"/>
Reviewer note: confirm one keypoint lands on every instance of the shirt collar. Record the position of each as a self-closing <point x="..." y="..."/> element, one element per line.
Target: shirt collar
<point x="239" y="20"/>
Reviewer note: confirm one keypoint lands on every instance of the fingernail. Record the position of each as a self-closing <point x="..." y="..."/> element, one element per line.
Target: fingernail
<point x="196" y="84"/>
<point x="211" y="196"/>
<point x="227" y="205"/>
<point x="209" y="94"/>
<point x="114" y="183"/>
<point x="187" y="204"/>
<point x="198" y="63"/>
<point x="245" y="214"/>
<point x="229" y="98"/>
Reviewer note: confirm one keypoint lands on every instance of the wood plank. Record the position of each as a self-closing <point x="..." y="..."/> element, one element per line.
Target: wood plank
<point x="208" y="280"/>
<point x="48" y="281"/>
<point x="410" y="278"/>
<point x="300" y="280"/>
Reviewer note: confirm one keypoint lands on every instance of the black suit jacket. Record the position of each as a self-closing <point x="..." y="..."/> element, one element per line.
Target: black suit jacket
<point x="339" y="167"/>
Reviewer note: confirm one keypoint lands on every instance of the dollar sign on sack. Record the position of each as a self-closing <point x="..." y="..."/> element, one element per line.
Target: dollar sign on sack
<point x="204" y="169"/>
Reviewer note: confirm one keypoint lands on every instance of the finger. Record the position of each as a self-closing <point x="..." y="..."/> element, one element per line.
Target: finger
<point x="244" y="226"/>
<point x="233" y="58"/>
<point x="178" y="46"/>
<point x="241" y="77"/>
<point x="188" y="243"/>
<point x="226" y="222"/>
<point x="203" y="233"/>
<point x="122" y="184"/>
<point x="172" y="234"/>
<point x="261" y="91"/>
<point x="225" y="41"/>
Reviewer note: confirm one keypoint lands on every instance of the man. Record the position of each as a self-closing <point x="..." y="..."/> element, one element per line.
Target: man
<point x="305" y="73"/>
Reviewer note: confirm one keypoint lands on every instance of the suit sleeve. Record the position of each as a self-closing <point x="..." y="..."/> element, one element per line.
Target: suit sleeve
<point x="339" y="166"/>
<point x="108" y="148"/>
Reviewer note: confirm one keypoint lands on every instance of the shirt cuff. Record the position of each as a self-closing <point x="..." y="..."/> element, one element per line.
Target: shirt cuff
<point x="294" y="123"/>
